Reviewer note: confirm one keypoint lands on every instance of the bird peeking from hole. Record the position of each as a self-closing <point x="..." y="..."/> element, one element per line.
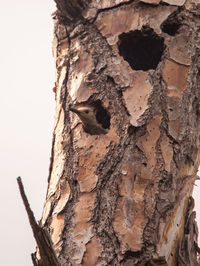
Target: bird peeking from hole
<point x="95" y="121"/>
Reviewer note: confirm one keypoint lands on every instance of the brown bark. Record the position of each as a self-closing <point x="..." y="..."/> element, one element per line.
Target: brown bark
<point x="124" y="198"/>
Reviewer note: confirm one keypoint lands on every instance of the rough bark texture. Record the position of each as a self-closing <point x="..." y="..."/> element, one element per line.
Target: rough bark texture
<point x="124" y="198"/>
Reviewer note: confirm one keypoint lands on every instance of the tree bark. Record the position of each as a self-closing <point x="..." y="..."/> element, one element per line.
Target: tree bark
<point x="124" y="198"/>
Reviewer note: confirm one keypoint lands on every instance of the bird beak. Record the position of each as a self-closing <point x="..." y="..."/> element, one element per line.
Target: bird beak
<point x="74" y="110"/>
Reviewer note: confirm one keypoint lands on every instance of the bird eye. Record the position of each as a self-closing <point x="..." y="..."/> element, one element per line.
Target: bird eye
<point x="86" y="111"/>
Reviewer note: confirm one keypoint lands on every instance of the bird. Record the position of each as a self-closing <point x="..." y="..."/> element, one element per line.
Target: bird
<point x="90" y="121"/>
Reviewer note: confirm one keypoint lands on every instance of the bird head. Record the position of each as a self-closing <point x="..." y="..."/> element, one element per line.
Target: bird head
<point x="85" y="113"/>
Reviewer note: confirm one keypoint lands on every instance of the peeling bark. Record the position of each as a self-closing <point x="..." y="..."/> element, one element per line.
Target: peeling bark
<point x="124" y="198"/>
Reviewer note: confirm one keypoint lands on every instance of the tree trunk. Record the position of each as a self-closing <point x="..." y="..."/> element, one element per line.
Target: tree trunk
<point x="124" y="198"/>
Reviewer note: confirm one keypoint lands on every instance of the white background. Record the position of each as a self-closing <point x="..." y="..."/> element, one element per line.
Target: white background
<point x="26" y="115"/>
<point x="27" y="77"/>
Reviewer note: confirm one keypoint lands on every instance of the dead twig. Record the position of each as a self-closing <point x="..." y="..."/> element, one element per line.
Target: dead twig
<point x="43" y="239"/>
